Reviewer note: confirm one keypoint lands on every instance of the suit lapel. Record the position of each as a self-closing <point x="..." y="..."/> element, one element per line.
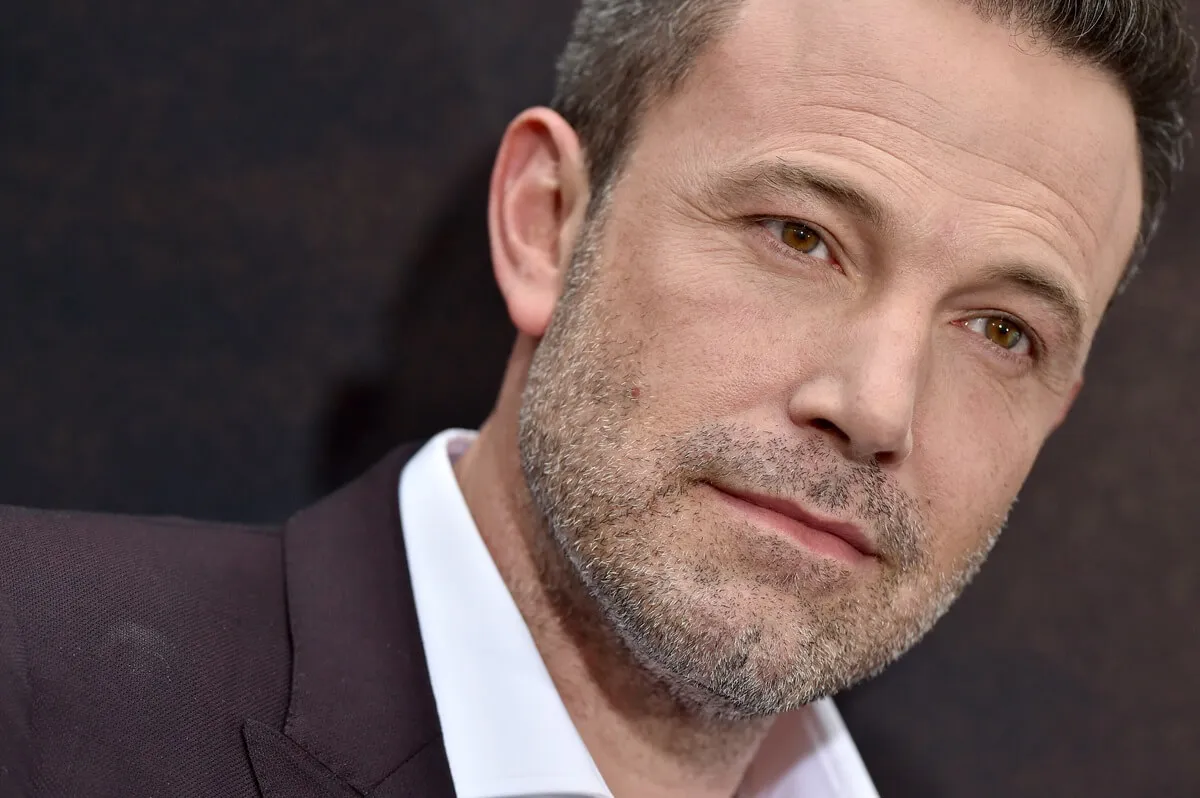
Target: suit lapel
<point x="285" y="770"/>
<point x="361" y="718"/>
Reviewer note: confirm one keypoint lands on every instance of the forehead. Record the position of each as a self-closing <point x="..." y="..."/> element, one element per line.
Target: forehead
<point x="968" y="132"/>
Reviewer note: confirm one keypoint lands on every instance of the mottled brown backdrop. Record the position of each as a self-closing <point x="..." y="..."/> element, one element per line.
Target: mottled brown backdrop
<point x="242" y="252"/>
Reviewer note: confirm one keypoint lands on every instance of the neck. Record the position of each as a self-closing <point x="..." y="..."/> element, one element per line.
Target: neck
<point x="644" y="740"/>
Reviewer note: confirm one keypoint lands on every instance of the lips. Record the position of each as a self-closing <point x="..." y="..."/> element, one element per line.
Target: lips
<point x="803" y="524"/>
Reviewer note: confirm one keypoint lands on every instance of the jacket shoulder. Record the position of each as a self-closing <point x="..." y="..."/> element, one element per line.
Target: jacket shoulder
<point x="64" y="567"/>
<point x="133" y="641"/>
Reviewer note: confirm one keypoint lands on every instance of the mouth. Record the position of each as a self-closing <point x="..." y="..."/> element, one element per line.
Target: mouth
<point x="837" y="539"/>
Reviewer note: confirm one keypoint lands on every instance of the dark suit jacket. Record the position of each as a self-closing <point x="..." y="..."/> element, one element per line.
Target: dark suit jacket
<point x="162" y="657"/>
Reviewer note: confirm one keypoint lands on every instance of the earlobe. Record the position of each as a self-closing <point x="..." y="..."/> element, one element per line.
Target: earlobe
<point x="537" y="203"/>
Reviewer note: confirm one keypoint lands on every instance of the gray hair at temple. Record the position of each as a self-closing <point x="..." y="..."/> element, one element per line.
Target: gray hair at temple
<point x="623" y="55"/>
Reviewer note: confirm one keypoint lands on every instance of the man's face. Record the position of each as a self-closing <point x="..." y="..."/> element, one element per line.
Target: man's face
<point x="853" y="265"/>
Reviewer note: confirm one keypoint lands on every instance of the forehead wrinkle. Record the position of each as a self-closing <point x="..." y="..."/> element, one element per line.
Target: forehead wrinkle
<point x="1090" y="242"/>
<point x="1036" y="229"/>
<point x="1061" y="216"/>
<point x="891" y="82"/>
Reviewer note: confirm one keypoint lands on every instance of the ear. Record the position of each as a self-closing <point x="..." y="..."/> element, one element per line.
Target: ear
<point x="536" y="208"/>
<point x="1069" y="403"/>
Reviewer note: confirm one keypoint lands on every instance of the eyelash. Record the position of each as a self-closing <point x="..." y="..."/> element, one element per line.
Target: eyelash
<point x="1035" y="343"/>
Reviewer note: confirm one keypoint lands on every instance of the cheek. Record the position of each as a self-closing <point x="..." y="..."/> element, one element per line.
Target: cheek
<point x="720" y="336"/>
<point x="973" y="453"/>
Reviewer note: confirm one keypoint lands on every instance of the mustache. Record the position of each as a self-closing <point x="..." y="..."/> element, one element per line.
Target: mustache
<point x="815" y="475"/>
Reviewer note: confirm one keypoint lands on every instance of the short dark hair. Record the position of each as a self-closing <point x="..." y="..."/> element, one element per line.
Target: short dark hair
<point x="625" y="54"/>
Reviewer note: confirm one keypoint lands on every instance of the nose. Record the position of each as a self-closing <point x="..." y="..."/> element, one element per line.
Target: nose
<point x="864" y="395"/>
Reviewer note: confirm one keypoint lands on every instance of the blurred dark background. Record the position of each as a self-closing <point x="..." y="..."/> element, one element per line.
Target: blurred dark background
<point x="243" y="253"/>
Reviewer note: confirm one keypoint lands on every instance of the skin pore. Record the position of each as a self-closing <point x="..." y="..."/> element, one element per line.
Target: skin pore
<point x="855" y="262"/>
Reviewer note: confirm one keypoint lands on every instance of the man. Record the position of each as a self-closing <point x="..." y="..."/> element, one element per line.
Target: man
<point x="800" y="290"/>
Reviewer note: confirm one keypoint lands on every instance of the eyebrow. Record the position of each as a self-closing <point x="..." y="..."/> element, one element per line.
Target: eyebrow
<point x="1063" y="301"/>
<point x="751" y="181"/>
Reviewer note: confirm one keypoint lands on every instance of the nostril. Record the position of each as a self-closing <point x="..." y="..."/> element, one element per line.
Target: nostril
<point x="885" y="459"/>
<point x="825" y="425"/>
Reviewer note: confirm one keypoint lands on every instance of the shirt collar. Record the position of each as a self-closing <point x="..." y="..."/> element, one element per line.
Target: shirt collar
<point x="505" y="729"/>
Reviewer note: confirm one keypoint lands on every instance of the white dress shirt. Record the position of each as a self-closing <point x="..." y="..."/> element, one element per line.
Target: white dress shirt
<point x="504" y="726"/>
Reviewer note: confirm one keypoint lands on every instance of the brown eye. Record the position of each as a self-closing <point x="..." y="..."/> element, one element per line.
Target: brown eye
<point x="1001" y="331"/>
<point x="799" y="237"/>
